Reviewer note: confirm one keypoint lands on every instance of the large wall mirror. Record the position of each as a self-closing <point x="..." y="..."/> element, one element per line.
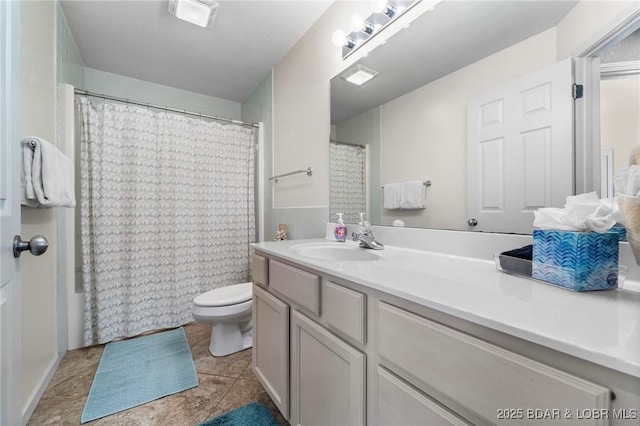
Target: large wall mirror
<point x="410" y="122"/>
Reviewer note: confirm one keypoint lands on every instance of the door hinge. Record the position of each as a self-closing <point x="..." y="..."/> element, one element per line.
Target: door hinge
<point x="578" y="91"/>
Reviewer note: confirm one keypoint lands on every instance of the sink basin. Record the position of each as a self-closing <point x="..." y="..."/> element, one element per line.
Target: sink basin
<point x="335" y="251"/>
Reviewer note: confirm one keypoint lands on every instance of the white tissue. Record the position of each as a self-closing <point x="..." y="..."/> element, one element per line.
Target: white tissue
<point x="581" y="213"/>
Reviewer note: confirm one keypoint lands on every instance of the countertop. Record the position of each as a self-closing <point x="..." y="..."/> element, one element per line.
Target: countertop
<point x="602" y="327"/>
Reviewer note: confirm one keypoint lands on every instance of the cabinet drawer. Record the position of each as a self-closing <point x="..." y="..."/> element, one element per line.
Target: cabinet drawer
<point x="344" y="310"/>
<point x="477" y="374"/>
<point x="298" y="286"/>
<point x="400" y="404"/>
<point x="260" y="270"/>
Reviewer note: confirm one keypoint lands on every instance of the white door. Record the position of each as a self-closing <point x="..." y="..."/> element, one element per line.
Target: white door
<point x="10" y="377"/>
<point x="520" y="149"/>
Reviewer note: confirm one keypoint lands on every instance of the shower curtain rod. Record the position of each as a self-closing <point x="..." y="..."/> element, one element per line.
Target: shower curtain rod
<point x="148" y="105"/>
<point x="346" y="143"/>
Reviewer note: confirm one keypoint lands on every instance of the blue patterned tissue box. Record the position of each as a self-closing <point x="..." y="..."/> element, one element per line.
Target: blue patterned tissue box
<point x="579" y="261"/>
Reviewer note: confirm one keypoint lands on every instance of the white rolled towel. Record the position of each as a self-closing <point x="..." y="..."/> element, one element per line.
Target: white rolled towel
<point x="47" y="175"/>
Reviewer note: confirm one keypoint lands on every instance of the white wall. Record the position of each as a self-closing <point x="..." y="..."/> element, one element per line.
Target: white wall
<point x="144" y="91"/>
<point x="258" y="107"/>
<point x="69" y="70"/>
<point x="620" y="117"/>
<point x="39" y="351"/>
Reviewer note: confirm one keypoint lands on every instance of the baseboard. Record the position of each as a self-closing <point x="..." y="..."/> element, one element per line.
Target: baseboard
<point x="32" y="402"/>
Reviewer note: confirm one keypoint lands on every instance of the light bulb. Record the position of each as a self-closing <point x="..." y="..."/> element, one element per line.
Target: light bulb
<point x="339" y="38"/>
<point x="357" y="23"/>
<point x="379" y="6"/>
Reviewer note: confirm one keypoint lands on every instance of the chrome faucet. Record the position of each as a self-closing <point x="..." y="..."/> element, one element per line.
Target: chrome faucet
<point x="365" y="235"/>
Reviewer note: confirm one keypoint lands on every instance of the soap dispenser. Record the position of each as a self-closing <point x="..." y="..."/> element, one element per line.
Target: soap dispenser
<point x="365" y="226"/>
<point x="340" y="231"/>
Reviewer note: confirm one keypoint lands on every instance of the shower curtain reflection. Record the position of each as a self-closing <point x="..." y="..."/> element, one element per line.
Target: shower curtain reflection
<point x="167" y="212"/>
<point x="348" y="184"/>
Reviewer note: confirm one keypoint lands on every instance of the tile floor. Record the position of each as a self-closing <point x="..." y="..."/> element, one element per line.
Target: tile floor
<point x="225" y="383"/>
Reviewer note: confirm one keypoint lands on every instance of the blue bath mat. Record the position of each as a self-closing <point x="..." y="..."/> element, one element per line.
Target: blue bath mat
<point x="252" y="414"/>
<point x="136" y="371"/>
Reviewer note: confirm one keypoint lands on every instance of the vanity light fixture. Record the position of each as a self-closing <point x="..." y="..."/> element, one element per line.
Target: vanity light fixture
<point x="359" y="74"/>
<point x="199" y="12"/>
<point x="384" y="7"/>
<point x="340" y="38"/>
<point x="358" y="23"/>
<point x="363" y="29"/>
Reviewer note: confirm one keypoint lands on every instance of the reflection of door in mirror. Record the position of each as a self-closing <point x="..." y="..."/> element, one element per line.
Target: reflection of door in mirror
<point x="348" y="180"/>
<point x="513" y="131"/>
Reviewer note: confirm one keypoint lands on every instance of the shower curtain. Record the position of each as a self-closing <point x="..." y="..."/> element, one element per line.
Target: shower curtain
<point x="167" y="212"/>
<point x="348" y="186"/>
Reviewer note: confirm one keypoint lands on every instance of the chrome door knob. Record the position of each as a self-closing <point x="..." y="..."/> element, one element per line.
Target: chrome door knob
<point x="472" y="222"/>
<point x="36" y="245"/>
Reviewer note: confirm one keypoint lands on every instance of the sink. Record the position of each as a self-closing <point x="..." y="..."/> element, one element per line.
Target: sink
<point x="335" y="251"/>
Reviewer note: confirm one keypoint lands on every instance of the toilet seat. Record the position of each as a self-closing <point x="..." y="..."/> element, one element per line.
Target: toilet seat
<point x="225" y="296"/>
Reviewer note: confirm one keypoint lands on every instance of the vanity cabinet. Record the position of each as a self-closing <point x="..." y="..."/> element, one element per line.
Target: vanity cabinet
<point x="302" y="348"/>
<point x="330" y="351"/>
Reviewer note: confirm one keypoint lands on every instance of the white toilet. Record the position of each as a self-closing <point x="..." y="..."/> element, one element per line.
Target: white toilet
<point x="228" y="310"/>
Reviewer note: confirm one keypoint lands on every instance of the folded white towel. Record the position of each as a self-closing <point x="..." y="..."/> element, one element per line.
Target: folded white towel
<point x="47" y="175"/>
<point x="391" y="196"/>
<point x="412" y="195"/>
<point x="405" y="195"/>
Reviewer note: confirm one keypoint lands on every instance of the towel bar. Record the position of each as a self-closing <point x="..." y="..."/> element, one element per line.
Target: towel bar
<point x="308" y="171"/>
<point x="426" y="183"/>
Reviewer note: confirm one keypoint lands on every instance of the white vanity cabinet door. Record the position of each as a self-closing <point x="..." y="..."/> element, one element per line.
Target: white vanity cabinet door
<point x="398" y="404"/>
<point x="327" y="377"/>
<point x="271" y="346"/>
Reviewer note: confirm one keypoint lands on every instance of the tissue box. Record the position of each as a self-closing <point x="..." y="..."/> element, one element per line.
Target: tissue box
<point x="579" y="261"/>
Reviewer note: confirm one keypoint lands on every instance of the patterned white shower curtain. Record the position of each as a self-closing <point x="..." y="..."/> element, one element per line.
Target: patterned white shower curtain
<point x="167" y="212"/>
<point x="348" y="186"/>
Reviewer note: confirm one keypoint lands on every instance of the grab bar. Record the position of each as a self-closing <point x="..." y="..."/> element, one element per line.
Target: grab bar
<point x="308" y="171"/>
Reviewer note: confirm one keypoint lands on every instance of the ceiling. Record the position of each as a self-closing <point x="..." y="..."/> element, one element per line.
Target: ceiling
<point x="455" y="34"/>
<point x="140" y="39"/>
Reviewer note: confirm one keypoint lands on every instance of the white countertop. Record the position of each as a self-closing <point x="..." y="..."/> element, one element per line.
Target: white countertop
<point x="602" y="327"/>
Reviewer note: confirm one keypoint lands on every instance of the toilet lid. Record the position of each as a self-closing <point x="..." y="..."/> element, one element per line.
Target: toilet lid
<point x="224" y="296"/>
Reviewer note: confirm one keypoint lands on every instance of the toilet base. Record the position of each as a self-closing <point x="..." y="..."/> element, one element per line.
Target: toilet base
<point x="229" y="338"/>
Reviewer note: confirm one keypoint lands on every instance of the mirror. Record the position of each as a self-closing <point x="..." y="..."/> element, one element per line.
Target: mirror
<point x="411" y="118"/>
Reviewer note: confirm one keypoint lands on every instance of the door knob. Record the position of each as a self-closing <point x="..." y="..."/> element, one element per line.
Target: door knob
<point x="472" y="222"/>
<point x="36" y="245"/>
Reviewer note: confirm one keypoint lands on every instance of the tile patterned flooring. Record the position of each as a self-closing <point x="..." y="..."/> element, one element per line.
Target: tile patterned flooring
<point x="225" y="383"/>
